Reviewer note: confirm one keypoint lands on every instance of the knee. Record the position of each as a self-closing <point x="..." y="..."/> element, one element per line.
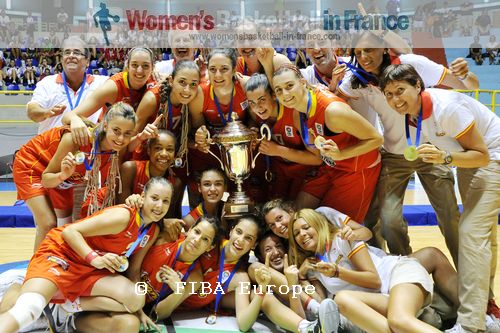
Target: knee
<point x="134" y="302"/>
<point x="125" y="323"/>
<point x="399" y="323"/>
<point x="343" y="300"/>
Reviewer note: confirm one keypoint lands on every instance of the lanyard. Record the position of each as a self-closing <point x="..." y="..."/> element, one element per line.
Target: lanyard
<point x="170" y="115"/>
<point x="93" y="154"/>
<point x="419" y="127"/>
<point x="165" y="289"/>
<point x="143" y="230"/>
<point x="324" y="256"/>
<point x="219" y="110"/>
<point x="82" y="88"/>
<point x="203" y="209"/>
<point x="303" y="121"/>
<point x="219" y="293"/>
<point x="356" y="71"/>
<point x="319" y="78"/>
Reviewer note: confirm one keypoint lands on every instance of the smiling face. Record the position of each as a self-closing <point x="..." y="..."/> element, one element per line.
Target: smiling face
<point x="289" y="89"/>
<point x="261" y="102"/>
<point x="119" y="131"/>
<point x="162" y="152"/>
<point x="156" y="201"/>
<point x="368" y="54"/>
<point x="139" y="68"/>
<point x="212" y="186"/>
<point x="199" y="238"/>
<point x="305" y="236"/>
<point x="242" y="238"/>
<point x="273" y="246"/>
<point x="220" y="71"/>
<point x="185" y="85"/>
<point x="403" y="97"/>
<point x="278" y="221"/>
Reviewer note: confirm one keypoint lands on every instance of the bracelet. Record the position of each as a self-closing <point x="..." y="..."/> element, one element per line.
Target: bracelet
<point x="463" y="77"/>
<point x="91" y="256"/>
<point x="337" y="272"/>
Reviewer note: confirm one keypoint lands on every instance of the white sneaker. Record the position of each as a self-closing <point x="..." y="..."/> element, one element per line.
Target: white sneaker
<point x="457" y="329"/>
<point x="59" y="320"/>
<point x="329" y="317"/>
<point x="492" y="324"/>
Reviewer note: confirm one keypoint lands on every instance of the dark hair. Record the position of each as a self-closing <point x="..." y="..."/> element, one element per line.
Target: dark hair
<point x="227" y="52"/>
<point x="215" y="222"/>
<point x="356" y="83"/>
<point x="216" y="170"/>
<point x="166" y="88"/>
<point x="265" y="235"/>
<point x="403" y="72"/>
<point x="257" y="81"/>
<point x="158" y="180"/>
<point x="152" y="141"/>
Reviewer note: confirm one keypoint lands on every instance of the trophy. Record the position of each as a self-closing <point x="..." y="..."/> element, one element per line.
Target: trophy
<point x="235" y="143"/>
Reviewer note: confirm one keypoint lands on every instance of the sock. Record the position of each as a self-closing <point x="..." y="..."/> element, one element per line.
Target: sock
<point x="64" y="220"/>
<point x="72" y="307"/>
<point x="304" y="326"/>
<point x="313" y="306"/>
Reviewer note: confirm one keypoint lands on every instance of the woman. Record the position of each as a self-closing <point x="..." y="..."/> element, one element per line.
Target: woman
<point x="287" y="173"/>
<point x="171" y="270"/>
<point x="48" y="166"/>
<point x="467" y="133"/>
<point x="347" y="143"/>
<point x="405" y="286"/>
<point x="235" y="282"/>
<point x="128" y="86"/>
<point x="81" y="259"/>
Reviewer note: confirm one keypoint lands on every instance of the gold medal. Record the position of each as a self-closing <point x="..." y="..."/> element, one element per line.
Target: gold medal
<point x="178" y="162"/>
<point x="211" y="319"/>
<point x="339" y="69"/>
<point x="411" y="153"/>
<point x="319" y="142"/>
<point x="79" y="157"/>
<point x="123" y="267"/>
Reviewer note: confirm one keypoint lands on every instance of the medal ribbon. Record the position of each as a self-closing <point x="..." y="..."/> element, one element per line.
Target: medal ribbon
<point x="93" y="154"/>
<point x="82" y="88"/>
<point x="319" y="78"/>
<point x="143" y="230"/>
<point x="303" y="121"/>
<point x="219" y="109"/>
<point x="356" y="71"/>
<point x="419" y="127"/>
<point x="219" y="293"/>
<point x="170" y="115"/>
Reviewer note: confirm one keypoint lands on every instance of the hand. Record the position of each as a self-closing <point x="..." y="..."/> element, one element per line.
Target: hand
<point x="170" y="277"/>
<point x="265" y="55"/>
<point x="242" y="79"/>
<point x="200" y="61"/>
<point x="348" y="234"/>
<point x="201" y="139"/>
<point x="134" y="201"/>
<point x="338" y="74"/>
<point x="330" y="149"/>
<point x="263" y="274"/>
<point x="459" y="68"/>
<point x="291" y="272"/>
<point x="55" y="110"/>
<point x="173" y="227"/>
<point x="79" y="132"/>
<point x="151" y="130"/>
<point x="307" y="265"/>
<point x="68" y="165"/>
<point x="325" y="268"/>
<point x="147" y="322"/>
<point x="431" y="154"/>
<point x="109" y="261"/>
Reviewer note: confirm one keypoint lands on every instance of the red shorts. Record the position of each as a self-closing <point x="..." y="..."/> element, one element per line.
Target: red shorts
<point x="348" y="192"/>
<point x="289" y="178"/>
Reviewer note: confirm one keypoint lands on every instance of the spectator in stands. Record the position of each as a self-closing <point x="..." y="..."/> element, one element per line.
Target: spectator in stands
<point x="12" y="72"/>
<point x="483" y="23"/>
<point x="476" y="51"/>
<point x="44" y="66"/>
<point x="62" y="19"/>
<point x="418" y="19"/>
<point x="30" y="24"/>
<point x="467" y="18"/>
<point x="4" y="22"/>
<point x="29" y="72"/>
<point x="492" y="49"/>
<point x="44" y="73"/>
<point x="59" y="69"/>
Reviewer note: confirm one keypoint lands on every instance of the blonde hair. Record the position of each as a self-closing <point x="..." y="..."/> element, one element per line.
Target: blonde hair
<point x="318" y="222"/>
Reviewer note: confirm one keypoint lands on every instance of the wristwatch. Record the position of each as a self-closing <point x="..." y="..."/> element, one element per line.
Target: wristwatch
<point x="448" y="158"/>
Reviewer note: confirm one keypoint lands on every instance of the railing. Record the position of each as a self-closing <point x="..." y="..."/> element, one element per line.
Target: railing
<point x="476" y="94"/>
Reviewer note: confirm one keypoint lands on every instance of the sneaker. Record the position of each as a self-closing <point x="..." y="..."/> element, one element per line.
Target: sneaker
<point x="457" y="329"/>
<point x="430" y="316"/>
<point x="493" y="309"/>
<point x="492" y="324"/>
<point x="59" y="320"/>
<point x="329" y="317"/>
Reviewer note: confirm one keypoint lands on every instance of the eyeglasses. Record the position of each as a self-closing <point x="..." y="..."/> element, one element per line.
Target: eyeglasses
<point x="76" y="53"/>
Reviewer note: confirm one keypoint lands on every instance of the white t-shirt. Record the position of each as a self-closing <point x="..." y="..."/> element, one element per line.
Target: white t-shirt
<point x="50" y="92"/>
<point x="340" y="253"/>
<point x="165" y="67"/>
<point x="357" y="105"/>
<point x="452" y="115"/>
<point x="393" y="123"/>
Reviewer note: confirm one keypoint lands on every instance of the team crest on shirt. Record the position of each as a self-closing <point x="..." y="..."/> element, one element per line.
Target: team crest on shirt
<point x="225" y="276"/>
<point x="244" y="105"/>
<point x="168" y="252"/>
<point x="62" y="263"/>
<point x="144" y="241"/>
<point x="289" y="131"/>
<point x="319" y="128"/>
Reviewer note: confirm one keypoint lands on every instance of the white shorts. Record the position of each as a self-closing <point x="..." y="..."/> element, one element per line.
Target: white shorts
<point x="409" y="270"/>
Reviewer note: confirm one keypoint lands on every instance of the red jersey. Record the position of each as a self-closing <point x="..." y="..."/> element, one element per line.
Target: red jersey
<point x="56" y="261"/>
<point x="174" y="125"/>
<point x="157" y="256"/>
<point x="241" y="67"/>
<point x="320" y="101"/>
<point x="210" y="112"/>
<point x="127" y="94"/>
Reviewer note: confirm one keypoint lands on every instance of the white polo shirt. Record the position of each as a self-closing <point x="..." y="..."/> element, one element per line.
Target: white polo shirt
<point x="447" y="115"/>
<point x="165" y="67"/>
<point x="50" y="92"/>
<point x="393" y="123"/>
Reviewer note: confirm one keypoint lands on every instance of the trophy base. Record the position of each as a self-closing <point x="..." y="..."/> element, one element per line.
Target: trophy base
<point x="238" y="204"/>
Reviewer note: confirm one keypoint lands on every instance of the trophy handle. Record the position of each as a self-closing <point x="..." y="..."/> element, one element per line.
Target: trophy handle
<point x="211" y="142"/>
<point x="265" y="131"/>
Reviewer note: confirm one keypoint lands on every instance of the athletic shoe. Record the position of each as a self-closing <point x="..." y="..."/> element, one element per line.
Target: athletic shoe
<point x="329" y="317"/>
<point x="492" y="324"/>
<point x="493" y="309"/>
<point x="59" y="320"/>
<point x="457" y="329"/>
